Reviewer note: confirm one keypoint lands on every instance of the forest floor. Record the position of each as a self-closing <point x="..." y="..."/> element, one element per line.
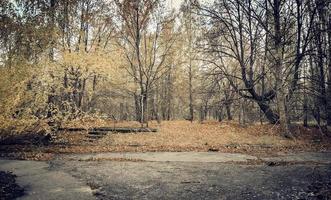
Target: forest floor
<point x="172" y="136"/>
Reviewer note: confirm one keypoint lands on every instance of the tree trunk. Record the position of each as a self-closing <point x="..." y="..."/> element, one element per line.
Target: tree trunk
<point x="272" y="117"/>
<point x="305" y="112"/>
<point x="137" y="102"/>
<point x="52" y="25"/>
<point x="281" y="95"/>
<point x="121" y="111"/>
<point x="169" y="95"/>
<point x="220" y="112"/>
<point x="201" y="114"/>
<point x="242" y="120"/>
<point x="190" y="67"/>
<point x="329" y="77"/>
<point x="144" y="109"/>
<point x="228" y="111"/>
<point x="283" y="115"/>
<point x="320" y="63"/>
<point x="305" y="99"/>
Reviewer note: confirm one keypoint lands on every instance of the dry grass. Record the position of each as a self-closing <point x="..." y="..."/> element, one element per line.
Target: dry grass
<point x="184" y="133"/>
<point x="181" y="136"/>
<point x="187" y="136"/>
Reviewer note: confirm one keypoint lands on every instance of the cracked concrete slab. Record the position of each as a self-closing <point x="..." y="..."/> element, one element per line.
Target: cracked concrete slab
<point x="317" y="157"/>
<point x="205" y="157"/>
<point x="200" y="180"/>
<point x="170" y="156"/>
<point x="174" y="175"/>
<point x="40" y="183"/>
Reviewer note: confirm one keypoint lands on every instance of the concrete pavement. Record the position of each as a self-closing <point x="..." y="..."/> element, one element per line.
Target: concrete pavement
<point x="174" y="175"/>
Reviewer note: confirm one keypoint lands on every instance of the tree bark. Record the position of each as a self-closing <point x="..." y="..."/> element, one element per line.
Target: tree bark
<point x="272" y="117"/>
<point x="228" y="111"/>
<point x="329" y="77"/>
<point x="137" y="102"/>
<point x="52" y="25"/>
<point x="281" y="94"/>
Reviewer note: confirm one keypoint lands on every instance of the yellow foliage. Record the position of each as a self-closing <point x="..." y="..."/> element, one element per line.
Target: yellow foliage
<point x="13" y="83"/>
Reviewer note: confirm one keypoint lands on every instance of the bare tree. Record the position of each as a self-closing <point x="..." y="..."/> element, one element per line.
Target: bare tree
<point x="144" y="49"/>
<point x="228" y="40"/>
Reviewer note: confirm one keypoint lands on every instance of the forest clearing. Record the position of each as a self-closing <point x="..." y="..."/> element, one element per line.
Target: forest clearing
<point x="165" y="99"/>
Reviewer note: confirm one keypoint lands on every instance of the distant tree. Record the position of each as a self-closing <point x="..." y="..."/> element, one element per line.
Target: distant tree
<point x="142" y="22"/>
<point x="264" y="35"/>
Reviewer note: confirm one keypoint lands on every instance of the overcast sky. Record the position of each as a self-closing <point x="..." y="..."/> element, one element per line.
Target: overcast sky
<point x="176" y="3"/>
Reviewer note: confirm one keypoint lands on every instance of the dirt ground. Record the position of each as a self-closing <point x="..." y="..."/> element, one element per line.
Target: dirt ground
<point x="172" y="136"/>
